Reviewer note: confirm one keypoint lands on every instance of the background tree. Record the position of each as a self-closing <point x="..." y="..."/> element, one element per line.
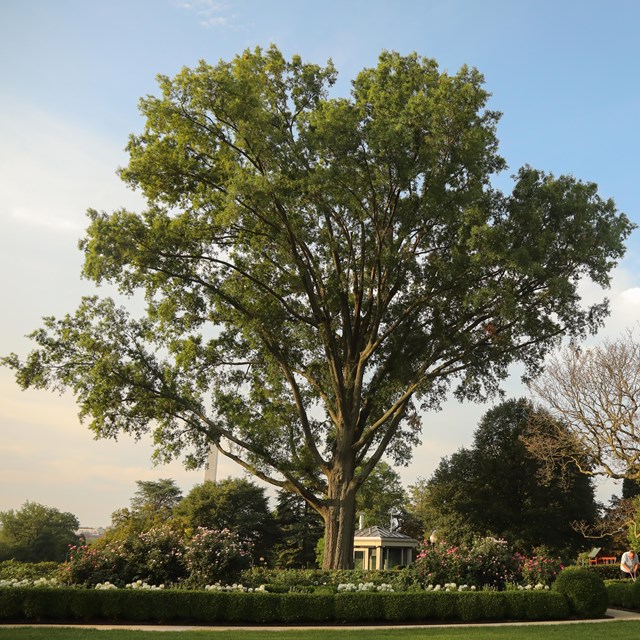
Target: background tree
<point x="299" y="529"/>
<point x="494" y="488"/>
<point x="235" y="504"/>
<point x="382" y="497"/>
<point x="318" y="270"/>
<point x="159" y="496"/>
<point x="156" y="499"/>
<point x="151" y="505"/>
<point x="595" y="392"/>
<point x="417" y="514"/>
<point x="36" y="533"/>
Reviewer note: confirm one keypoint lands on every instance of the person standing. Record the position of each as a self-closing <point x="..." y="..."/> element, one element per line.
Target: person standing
<point x="629" y="564"/>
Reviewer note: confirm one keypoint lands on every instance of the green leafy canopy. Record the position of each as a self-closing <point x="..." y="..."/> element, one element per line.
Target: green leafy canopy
<point x="317" y="270"/>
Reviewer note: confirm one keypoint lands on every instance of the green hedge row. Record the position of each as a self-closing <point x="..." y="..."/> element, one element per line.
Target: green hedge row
<point x="623" y="593"/>
<point x="174" y="606"/>
<point x="604" y="571"/>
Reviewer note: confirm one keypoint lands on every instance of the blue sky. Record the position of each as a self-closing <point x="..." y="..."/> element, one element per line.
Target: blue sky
<point x="565" y="75"/>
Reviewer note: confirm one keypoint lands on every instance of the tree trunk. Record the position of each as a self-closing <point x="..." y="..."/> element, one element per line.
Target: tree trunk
<point x="339" y="527"/>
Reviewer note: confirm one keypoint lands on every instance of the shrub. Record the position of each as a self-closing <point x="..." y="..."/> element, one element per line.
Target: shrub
<point x="440" y="563"/>
<point x="535" y="605"/>
<point x="605" y="571"/>
<point x="406" y="607"/>
<point x="623" y="593"/>
<point x="215" y="556"/>
<point x="362" y="606"/>
<point x="298" y="578"/>
<point x="303" y="607"/>
<point x="488" y="563"/>
<point x="158" y="554"/>
<point x="101" y="562"/>
<point x="491" y="564"/>
<point x="541" y="567"/>
<point x="12" y="569"/>
<point x="584" y="590"/>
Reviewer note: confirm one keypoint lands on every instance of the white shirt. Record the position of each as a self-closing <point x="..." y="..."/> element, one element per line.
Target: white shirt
<point x="627" y="563"/>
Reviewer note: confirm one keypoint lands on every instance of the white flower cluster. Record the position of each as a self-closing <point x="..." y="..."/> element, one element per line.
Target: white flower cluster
<point x="139" y="584"/>
<point x="538" y="587"/>
<point x="234" y="587"/>
<point x="364" y="586"/>
<point x="26" y="582"/>
<point x="451" y="586"/>
<point x="102" y="586"/>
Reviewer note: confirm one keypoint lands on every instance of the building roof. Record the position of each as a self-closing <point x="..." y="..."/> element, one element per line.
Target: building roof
<point x="380" y="533"/>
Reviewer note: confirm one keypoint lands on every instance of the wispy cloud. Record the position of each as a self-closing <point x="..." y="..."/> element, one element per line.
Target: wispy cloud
<point x="54" y="170"/>
<point x="211" y="13"/>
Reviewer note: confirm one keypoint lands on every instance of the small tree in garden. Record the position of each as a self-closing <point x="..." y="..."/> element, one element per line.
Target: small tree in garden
<point x="215" y="556"/>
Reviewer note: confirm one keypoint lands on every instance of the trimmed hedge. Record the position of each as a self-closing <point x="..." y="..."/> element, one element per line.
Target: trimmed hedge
<point x="604" y="571"/>
<point x="208" y="607"/>
<point x="584" y="590"/>
<point x="623" y="593"/>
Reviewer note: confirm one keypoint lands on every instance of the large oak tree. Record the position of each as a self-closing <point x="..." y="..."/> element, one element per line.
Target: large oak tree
<point x="319" y="271"/>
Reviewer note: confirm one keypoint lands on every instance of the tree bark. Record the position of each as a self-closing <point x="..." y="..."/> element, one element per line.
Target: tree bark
<point x="339" y="521"/>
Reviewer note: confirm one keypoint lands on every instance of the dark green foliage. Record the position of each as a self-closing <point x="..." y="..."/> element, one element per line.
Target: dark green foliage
<point x="584" y="590"/>
<point x="315" y="577"/>
<point x="535" y="605"/>
<point x="36" y="533"/>
<point x="357" y="607"/>
<point x="623" y="593"/>
<point x="604" y="571"/>
<point x="172" y="606"/>
<point x="299" y="529"/>
<point x="302" y="607"/>
<point x="407" y="606"/>
<point x="494" y="488"/>
<point x="235" y="504"/>
<point x="30" y="570"/>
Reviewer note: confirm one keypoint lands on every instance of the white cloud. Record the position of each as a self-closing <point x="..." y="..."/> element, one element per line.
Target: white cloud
<point x="210" y="12"/>
<point x="53" y="171"/>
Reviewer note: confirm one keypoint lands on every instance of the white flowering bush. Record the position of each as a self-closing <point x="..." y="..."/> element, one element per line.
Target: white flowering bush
<point x="450" y="586"/>
<point x="27" y="582"/>
<point x="364" y="586"/>
<point x="537" y="587"/>
<point x="141" y="584"/>
<point x="225" y="587"/>
<point x="105" y="586"/>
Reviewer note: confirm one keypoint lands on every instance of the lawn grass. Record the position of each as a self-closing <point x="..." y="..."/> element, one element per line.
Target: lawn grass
<point x="617" y="630"/>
